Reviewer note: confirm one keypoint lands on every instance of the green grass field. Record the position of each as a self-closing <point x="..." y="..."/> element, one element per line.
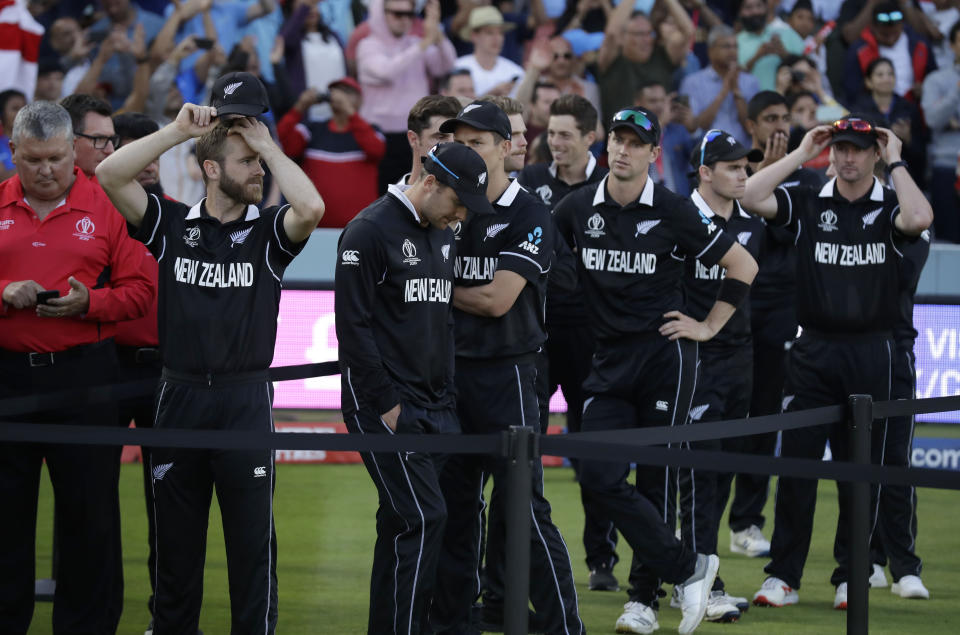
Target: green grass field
<point x="325" y="528"/>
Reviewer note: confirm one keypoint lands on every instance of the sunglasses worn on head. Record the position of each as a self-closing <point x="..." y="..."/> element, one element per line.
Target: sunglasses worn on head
<point x="636" y="117"/>
<point x="886" y="18"/>
<point x="707" y="138"/>
<point x="857" y="125"/>
<point x="440" y="163"/>
<point x="100" y="142"/>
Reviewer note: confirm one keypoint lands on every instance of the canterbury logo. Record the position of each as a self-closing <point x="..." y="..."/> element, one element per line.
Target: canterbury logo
<point x="696" y="413"/>
<point x="871" y="216"/>
<point x="493" y="230"/>
<point x="229" y="89"/>
<point x="350" y="257"/>
<point x="259" y="471"/>
<point x="239" y="236"/>
<point x="159" y="471"/>
<point x="645" y="226"/>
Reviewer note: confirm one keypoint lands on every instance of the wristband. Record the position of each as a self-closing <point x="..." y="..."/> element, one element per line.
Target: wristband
<point x="896" y="164"/>
<point x="733" y="291"/>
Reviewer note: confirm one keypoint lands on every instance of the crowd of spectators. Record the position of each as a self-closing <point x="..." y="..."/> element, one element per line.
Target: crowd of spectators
<point x="343" y="74"/>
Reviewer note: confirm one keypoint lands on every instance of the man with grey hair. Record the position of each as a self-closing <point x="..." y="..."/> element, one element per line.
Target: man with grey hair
<point x="719" y="93"/>
<point x="60" y="236"/>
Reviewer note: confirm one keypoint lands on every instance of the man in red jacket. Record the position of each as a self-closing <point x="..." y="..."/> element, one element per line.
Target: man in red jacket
<point x="59" y="234"/>
<point x="341" y="155"/>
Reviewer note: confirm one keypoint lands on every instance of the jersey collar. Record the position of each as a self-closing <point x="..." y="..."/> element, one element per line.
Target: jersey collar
<point x="704" y="207"/>
<point x="195" y="212"/>
<point x="506" y="199"/>
<point x="398" y="193"/>
<point x="646" y="196"/>
<point x="591" y="165"/>
<point x="830" y="188"/>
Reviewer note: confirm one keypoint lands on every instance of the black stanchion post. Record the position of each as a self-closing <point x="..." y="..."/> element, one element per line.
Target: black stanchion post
<point x="519" y="456"/>
<point x="858" y="589"/>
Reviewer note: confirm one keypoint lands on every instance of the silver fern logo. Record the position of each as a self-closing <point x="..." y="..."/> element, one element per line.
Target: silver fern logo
<point x="869" y="217"/>
<point x="159" y="471"/>
<point x="493" y="230"/>
<point x="744" y="237"/>
<point x="445" y="250"/>
<point x="644" y="227"/>
<point x="229" y="89"/>
<point x="237" y="237"/>
<point x="696" y="413"/>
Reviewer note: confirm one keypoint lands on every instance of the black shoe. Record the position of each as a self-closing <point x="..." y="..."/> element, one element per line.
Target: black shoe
<point x="602" y="579"/>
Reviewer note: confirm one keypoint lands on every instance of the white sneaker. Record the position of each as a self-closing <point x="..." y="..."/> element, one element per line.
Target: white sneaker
<point x="910" y="586"/>
<point x="720" y="608"/>
<point x="637" y="618"/>
<point x="676" y="598"/>
<point x="775" y="592"/>
<point x="878" y="579"/>
<point x="696" y="592"/>
<point x="749" y="542"/>
<point x="742" y="604"/>
<point x="840" y="599"/>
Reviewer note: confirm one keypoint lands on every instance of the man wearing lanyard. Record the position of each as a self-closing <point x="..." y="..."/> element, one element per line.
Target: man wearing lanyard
<point x="848" y="260"/>
<point x="631" y="236"/>
<point x="60" y="236"/>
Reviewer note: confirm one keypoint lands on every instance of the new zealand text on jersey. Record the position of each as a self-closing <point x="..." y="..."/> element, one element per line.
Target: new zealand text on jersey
<point x="427" y="290"/>
<point x="213" y="274"/>
<point x="474" y="268"/>
<point x="850" y="255"/>
<point x="618" y="261"/>
<point x="716" y="272"/>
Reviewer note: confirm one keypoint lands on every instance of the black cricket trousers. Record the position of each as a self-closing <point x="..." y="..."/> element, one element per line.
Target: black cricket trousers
<point x="410" y="518"/>
<point x="183" y="483"/>
<point x="640" y="382"/>
<point x="493" y="395"/>
<point x="825" y="370"/>
<point x="895" y="537"/>
<point x="89" y="594"/>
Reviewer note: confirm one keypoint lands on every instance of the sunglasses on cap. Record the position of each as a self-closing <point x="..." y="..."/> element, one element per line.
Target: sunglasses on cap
<point x="707" y="138"/>
<point x="857" y="125"/>
<point x="887" y="18"/>
<point x="636" y="117"/>
<point x="440" y="163"/>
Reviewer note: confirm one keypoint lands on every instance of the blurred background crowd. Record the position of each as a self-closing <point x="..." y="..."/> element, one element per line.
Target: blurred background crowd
<point x="342" y="75"/>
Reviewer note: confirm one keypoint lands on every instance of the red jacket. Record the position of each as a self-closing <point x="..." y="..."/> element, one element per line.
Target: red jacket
<point x="866" y="49"/>
<point x="85" y="238"/>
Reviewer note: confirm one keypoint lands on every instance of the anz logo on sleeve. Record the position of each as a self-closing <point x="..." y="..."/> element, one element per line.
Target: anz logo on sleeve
<point x="533" y="241"/>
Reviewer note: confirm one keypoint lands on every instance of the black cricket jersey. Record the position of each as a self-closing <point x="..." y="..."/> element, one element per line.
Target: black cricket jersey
<point x="701" y="283"/>
<point x="517" y="237"/>
<point x="631" y="257"/>
<point x="393" y="302"/>
<point x="848" y="256"/>
<point x="564" y="303"/>
<point x="775" y="286"/>
<point x="915" y="255"/>
<point x="219" y="284"/>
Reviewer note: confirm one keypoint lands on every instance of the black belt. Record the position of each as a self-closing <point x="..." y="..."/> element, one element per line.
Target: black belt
<point x="39" y="360"/>
<point x="134" y="355"/>
<point x="847" y="336"/>
<point x="215" y="379"/>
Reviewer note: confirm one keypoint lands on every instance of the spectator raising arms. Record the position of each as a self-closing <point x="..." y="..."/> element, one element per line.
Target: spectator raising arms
<point x="394" y="68"/>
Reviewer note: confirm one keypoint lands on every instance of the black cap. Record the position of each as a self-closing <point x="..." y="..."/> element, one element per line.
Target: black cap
<point x="802" y="4"/>
<point x="49" y="65"/>
<point x="641" y="121"/>
<point x="718" y="145"/>
<point x="864" y="138"/>
<point x="482" y="115"/>
<point x="462" y="169"/>
<point x="239" y="93"/>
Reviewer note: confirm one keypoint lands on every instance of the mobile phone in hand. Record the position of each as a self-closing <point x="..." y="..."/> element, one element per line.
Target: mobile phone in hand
<point x="45" y="296"/>
<point x="203" y="42"/>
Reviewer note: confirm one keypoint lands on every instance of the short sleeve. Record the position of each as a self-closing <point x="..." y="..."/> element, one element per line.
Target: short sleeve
<point x="698" y="236"/>
<point x="151" y="229"/>
<point x="529" y="246"/>
<point x="283" y="249"/>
